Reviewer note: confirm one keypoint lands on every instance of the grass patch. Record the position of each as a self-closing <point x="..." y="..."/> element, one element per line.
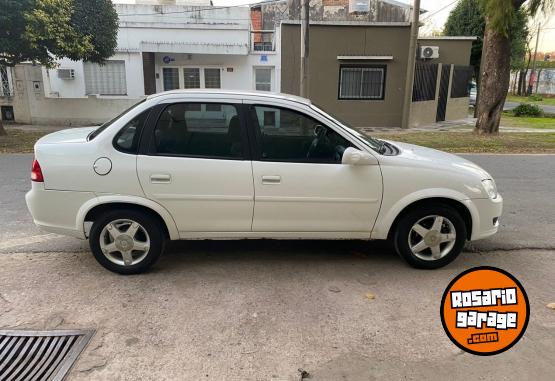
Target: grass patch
<point x="545" y="101"/>
<point x="468" y="142"/>
<point x="509" y="120"/>
<point x="19" y="141"/>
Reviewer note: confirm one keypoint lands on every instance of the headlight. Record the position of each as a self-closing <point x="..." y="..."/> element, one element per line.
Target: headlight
<point x="490" y="188"/>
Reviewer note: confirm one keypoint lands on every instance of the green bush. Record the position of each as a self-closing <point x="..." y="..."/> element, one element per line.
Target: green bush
<point x="535" y="98"/>
<point x="526" y="109"/>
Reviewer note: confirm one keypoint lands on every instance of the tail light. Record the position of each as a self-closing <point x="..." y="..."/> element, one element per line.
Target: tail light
<point x="36" y="172"/>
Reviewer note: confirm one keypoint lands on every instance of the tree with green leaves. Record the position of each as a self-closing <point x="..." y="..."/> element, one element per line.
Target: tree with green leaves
<point x="41" y="31"/>
<point x="496" y="58"/>
<point x="468" y="19"/>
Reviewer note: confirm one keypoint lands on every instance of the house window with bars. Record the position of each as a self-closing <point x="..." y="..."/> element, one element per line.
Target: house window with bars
<point x="212" y="79"/>
<point x="106" y="79"/>
<point x="170" y="78"/>
<point x="263" y="79"/>
<point x="5" y="87"/>
<point x="362" y="82"/>
<point x="191" y="78"/>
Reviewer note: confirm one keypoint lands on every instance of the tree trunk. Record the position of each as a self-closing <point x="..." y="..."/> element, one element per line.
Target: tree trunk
<point x="521" y="82"/>
<point x="496" y="72"/>
<point x="2" y="130"/>
<point x="538" y="79"/>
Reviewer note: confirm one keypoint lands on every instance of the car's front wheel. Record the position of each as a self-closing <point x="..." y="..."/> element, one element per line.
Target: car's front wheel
<point x="126" y="241"/>
<point x="430" y="236"/>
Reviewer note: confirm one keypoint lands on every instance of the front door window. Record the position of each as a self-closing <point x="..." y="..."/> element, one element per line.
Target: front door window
<point x="286" y="135"/>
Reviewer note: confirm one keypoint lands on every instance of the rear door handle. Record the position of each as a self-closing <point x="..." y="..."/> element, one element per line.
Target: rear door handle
<point x="271" y="180"/>
<point x="160" y="178"/>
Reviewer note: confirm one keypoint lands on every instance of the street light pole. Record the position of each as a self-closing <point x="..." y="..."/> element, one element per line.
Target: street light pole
<point x="410" y="64"/>
<point x="533" y="74"/>
<point x="305" y="8"/>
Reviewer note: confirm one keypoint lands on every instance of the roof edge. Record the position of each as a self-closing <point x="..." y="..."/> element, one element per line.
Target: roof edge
<point x="349" y="23"/>
<point x="247" y="93"/>
<point x="460" y="38"/>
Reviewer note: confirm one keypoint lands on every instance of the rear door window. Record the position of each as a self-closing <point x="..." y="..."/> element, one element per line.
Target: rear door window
<point x="209" y="130"/>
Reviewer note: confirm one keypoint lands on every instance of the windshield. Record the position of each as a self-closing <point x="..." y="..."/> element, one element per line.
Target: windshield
<point x="104" y="126"/>
<point x="375" y="144"/>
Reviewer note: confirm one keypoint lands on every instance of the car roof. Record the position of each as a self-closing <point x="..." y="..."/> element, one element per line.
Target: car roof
<point x="234" y="93"/>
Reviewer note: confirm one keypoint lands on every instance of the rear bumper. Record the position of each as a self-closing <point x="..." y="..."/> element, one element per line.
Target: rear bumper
<point x="56" y="211"/>
<point x="486" y="221"/>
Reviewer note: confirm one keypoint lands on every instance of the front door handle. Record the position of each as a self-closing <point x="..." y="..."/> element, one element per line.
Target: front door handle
<point x="160" y="178"/>
<point x="271" y="180"/>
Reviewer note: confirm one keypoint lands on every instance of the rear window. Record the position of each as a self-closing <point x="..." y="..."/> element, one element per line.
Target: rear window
<point x="103" y="127"/>
<point x="127" y="139"/>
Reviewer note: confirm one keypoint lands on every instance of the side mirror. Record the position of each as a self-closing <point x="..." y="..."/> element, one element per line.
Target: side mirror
<point x="353" y="156"/>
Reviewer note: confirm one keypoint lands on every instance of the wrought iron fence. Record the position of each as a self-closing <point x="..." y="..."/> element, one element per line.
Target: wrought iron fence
<point x="425" y="82"/>
<point x="462" y="77"/>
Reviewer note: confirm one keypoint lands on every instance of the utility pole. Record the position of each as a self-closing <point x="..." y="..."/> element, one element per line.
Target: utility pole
<point x="305" y="9"/>
<point x="533" y="74"/>
<point x="415" y="25"/>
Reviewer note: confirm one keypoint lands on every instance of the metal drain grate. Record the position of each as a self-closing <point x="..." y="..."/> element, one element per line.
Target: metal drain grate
<point x="40" y="355"/>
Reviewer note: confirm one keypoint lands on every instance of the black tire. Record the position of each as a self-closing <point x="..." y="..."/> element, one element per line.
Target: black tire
<point x="148" y="223"/>
<point x="410" y="218"/>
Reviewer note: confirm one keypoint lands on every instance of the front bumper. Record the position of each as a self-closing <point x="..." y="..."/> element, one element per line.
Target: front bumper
<point x="485" y="221"/>
<point x="56" y="211"/>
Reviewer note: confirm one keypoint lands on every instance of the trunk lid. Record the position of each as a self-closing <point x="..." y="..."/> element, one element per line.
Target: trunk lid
<point x="71" y="135"/>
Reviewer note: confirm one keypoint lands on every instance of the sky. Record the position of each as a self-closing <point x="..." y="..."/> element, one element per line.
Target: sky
<point x="439" y="11"/>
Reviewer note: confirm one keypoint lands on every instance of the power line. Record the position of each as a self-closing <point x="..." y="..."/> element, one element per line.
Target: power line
<point x="439" y="10"/>
<point x="231" y="20"/>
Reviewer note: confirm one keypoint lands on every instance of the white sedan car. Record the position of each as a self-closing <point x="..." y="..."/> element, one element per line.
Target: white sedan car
<point x="234" y="165"/>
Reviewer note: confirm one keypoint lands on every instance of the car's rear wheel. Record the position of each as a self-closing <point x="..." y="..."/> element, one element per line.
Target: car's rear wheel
<point x="430" y="236"/>
<point x="126" y="241"/>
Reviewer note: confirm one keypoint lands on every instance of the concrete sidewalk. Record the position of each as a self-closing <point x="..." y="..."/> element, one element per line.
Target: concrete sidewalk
<point x="252" y="311"/>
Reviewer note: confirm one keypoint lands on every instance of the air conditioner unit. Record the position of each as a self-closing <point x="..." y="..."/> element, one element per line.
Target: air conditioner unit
<point x="429" y="52"/>
<point x="66" y="73"/>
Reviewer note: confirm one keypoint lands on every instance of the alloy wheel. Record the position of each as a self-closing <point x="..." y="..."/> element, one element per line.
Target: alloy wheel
<point x="432" y="238"/>
<point x="124" y="242"/>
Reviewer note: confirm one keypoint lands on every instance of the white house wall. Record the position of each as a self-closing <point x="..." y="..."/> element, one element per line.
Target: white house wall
<point x="55" y="87"/>
<point x="194" y="39"/>
<point x="184" y="29"/>
<point x="240" y="78"/>
<point x="200" y="36"/>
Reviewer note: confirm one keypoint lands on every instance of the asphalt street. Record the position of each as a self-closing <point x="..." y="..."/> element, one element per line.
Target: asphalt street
<point x="262" y="310"/>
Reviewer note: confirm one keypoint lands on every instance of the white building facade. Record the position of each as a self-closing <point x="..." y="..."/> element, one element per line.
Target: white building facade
<point x="162" y="45"/>
<point x="167" y="47"/>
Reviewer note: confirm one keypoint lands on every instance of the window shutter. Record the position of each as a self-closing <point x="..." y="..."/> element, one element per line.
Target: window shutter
<point x="107" y="79"/>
